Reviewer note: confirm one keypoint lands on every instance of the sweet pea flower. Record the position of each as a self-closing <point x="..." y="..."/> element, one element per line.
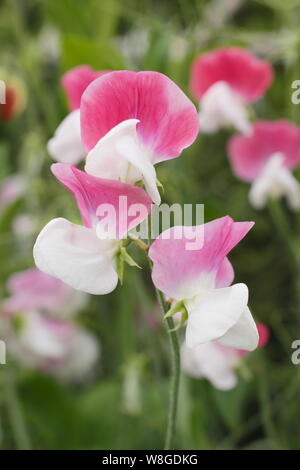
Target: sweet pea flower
<point x="66" y="146"/>
<point x="199" y="282"/>
<point x="80" y="255"/>
<point x="265" y="159"/>
<point x="52" y="345"/>
<point x="216" y="362"/>
<point x="12" y="188"/>
<point x="225" y="81"/>
<point x="33" y="290"/>
<point x="132" y="120"/>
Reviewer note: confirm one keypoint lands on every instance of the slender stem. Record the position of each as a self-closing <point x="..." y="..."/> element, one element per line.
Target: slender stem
<point x="175" y="363"/>
<point x="15" y="412"/>
<point x="282" y="226"/>
<point x="175" y="374"/>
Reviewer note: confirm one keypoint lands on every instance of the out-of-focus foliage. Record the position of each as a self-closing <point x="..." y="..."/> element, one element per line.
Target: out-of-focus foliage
<point x="42" y="39"/>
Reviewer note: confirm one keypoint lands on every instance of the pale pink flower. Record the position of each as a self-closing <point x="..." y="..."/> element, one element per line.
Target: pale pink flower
<point x="11" y="189"/>
<point x="266" y="160"/>
<point x="130" y="121"/>
<point x="216" y="362"/>
<point x="33" y="290"/>
<point x="54" y="346"/>
<point x="79" y="255"/>
<point x="201" y="280"/>
<point x="66" y="146"/>
<point x="225" y="80"/>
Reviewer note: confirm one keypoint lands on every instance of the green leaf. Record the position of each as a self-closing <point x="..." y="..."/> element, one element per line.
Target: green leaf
<point x="178" y="307"/>
<point x="184" y="317"/>
<point x="127" y="258"/>
<point x="120" y="266"/>
<point x="101" y="55"/>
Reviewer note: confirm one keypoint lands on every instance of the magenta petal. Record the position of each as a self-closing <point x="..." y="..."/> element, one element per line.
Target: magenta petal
<point x="91" y="192"/>
<point x="178" y="271"/>
<point x="247" y="75"/>
<point x="75" y="82"/>
<point x="168" y="119"/>
<point x="263" y="333"/>
<point x="248" y="154"/>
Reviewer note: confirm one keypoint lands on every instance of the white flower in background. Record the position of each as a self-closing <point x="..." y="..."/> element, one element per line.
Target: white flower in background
<point x="216" y="362"/>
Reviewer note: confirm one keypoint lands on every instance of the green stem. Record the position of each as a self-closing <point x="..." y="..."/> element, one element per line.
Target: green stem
<point x="175" y="362"/>
<point x="280" y="221"/>
<point x="175" y="374"/>
<point x="15" y="412"/>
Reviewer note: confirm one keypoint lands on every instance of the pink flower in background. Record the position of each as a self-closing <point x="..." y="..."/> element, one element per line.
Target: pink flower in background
<point x="130" y="121"/>
<point x="225" y="81"/>
<point x="76" y="80"/>
<point x="34" y="290"/>
<point x="34" y="324"/>
<point x="11" y="189"/>
<point x="79" y="255"/>
<point x="54" y="346"/>
<point x="216" y="362"/>
<point x="66" y="145"/>
<point x="266" y="159"/>
<point x="201" y="280"/>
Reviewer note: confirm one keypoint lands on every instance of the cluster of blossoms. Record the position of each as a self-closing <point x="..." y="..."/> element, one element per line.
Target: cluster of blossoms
<point x="123" y="123"/>
<point x="37" y="323"/>
<point x="226" y="81"/>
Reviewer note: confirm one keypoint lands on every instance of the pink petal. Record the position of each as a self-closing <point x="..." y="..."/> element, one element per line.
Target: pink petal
<point x="33" y="289"/>
<point x="225" y="274"/>
<point x="168" y="119"/>
<point x="247" y="75"/>
<point x="91" y="192"/>
<point x="248" y="154"/>
<point x="263" y="333"/>
<point x="177" y="270"/>
<point x="75" y="82"/>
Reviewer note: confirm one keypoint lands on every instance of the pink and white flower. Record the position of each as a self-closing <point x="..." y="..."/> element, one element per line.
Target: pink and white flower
<point x="216" y="362"/>
<point x="266" y="160"/>
<point x="80" y="255"/>
<point x="225" y="81"/>
<point x="132" y="120"/>
<point x="12" y="188"/>
<point x="66" y="146"/>
<point x="34" y="324"/>
<point x="52" y="345"/>
<point x="33" y="290"/>
<point x="200" y="282"/>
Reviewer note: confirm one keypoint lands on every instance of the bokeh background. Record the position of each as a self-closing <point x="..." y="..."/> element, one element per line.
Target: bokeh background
<point x="123" y="403"/>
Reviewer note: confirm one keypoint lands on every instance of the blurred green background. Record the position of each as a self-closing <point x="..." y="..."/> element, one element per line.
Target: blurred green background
<point x="124" y="405"/>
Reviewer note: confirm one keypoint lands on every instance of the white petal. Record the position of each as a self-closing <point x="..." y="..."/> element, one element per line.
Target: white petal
<point x="39" y="339"/>
<point x="211" y="361"/>
<point x="66" y="146"/>
<point x="221" y="106"/>
<point x="120" y="155"/>
<point x="274" y="181"/>
<point x="84" y="351"/>
<point x="243" y="335"/>
<point x="213" y="313"/>
<point x="75" y="255"/>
